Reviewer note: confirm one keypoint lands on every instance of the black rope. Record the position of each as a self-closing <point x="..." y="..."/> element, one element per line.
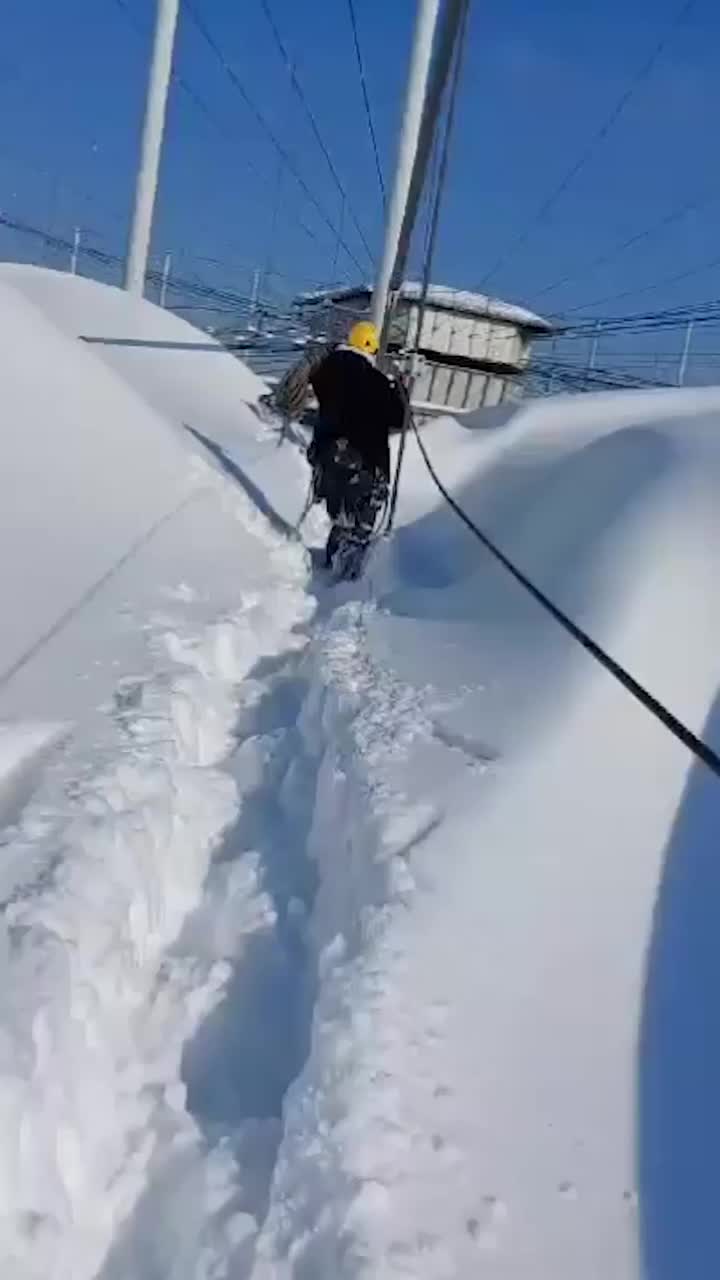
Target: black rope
<point x="676" y="727"/>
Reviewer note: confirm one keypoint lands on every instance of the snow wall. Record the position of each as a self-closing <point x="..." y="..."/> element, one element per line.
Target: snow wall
<point x="515" y="1053"/>
<point x="571" y="966"/>
<point x="140" y="588"/>
<point x="92" y="454"/>
<point x="179" y="370"/>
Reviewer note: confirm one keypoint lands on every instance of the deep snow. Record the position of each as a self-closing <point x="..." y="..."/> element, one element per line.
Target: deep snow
<point x="356" y="932"/>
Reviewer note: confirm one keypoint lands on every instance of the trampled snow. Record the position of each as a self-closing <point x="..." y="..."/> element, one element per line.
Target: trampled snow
<point x="348" y="932"/>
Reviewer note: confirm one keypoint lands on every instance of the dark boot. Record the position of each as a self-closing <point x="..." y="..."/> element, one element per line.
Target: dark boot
<point x="332" y="545"/>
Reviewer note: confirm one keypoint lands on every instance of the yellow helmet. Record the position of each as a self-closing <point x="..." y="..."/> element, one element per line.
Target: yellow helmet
<point x="364" y="337"/>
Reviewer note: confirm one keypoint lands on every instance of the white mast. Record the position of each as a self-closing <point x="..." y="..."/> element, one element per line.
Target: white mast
<point x="146" y="186"/>
<point x="407" y="149"/>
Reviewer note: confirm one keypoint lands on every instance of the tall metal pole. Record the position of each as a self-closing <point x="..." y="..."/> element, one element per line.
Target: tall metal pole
<point x="593" y="348"/>
<point x="427" y="13"/>
<point x="255" y="295"/>
<point x="75" y="251"/>
<point x="453" y="16"/>
<point x="682" y="371"/>
<point x="153" y="127"/>
<point x="53" y="204"/>
<point x="167" y="267"/>
<point x="457" y="53"/>
<point x="268" y="270"/>
<point x="550" y="386"/>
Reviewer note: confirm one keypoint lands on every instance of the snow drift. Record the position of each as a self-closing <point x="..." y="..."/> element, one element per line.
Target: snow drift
<point x="348" y="932"/>
<point x="503" y="1006"/>
<point x="73" y="437"/>
<point x="179" y="369"/>
<point x="140" y="587"/>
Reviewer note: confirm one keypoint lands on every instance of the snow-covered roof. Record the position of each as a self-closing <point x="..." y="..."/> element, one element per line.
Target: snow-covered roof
<point x="442" y="297"/>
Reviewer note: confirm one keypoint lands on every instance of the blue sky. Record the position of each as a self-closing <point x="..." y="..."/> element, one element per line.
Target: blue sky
<point x="540" y="78"/>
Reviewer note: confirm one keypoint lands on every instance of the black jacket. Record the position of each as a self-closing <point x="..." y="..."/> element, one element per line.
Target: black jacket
<point x="359" y="404"/>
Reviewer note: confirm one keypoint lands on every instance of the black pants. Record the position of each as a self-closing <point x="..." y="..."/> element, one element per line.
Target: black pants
<point x="354" y="495"/>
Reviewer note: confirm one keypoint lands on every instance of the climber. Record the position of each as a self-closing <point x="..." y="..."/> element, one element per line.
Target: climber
<point x="358" y="407"/>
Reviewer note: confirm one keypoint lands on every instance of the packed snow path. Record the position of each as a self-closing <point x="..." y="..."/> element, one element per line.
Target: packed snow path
<point x="348" y="932"/>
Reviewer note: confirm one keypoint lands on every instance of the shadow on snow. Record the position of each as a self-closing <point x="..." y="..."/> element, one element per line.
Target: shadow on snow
<point x="679" y="1066"/>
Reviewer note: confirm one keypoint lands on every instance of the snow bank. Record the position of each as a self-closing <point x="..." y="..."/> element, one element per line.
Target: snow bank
<point x="181" y="371"/>
<point x="95" y="455"/>
<point x="502" y="1015"/>
<point x="143" y="588"/>
<point x="76" y="444"/>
